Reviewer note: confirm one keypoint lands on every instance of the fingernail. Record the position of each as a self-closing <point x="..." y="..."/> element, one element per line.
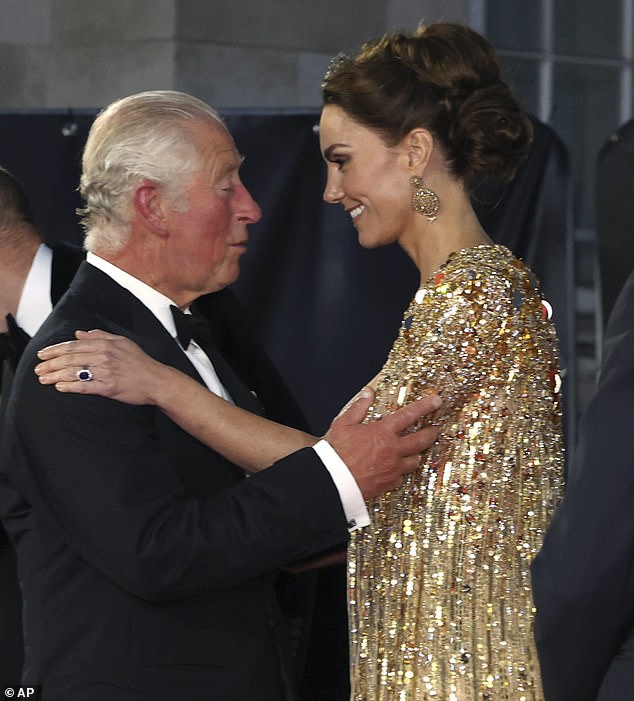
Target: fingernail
<point x="436" y="401"/>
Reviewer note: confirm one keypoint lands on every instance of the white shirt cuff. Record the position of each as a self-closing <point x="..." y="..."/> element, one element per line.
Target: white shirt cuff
<point x="351" y="498"/>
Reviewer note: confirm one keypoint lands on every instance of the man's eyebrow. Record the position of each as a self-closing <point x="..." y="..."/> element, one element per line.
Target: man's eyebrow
<point x="231" y="166"/>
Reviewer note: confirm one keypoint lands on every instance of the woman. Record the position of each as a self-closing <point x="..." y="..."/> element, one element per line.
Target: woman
<point x="439" y="593"/>
<point x="440" y="599"/>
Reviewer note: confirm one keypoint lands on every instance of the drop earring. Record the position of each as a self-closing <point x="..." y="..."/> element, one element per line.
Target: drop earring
<point x="424" y="200"/>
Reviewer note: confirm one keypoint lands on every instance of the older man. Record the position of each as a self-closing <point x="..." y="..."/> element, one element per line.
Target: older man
<point x="149" y="574"/>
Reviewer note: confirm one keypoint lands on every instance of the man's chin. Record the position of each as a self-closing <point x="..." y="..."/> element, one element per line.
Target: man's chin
<point x="228" y="277"/>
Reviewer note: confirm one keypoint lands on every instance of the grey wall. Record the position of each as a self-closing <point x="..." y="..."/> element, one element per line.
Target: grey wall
<point x="234" y="54"/>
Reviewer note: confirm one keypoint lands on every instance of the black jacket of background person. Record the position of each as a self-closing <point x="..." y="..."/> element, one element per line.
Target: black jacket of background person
<point x="65" y="261"/>
<point x="583" y="578"/>
<point x="151" y="573"/>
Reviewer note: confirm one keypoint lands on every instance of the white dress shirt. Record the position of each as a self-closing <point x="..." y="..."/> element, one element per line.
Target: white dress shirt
<point x="351" y="498"/>
<point x="35" y="301"/>
<point x="159" y="304"/>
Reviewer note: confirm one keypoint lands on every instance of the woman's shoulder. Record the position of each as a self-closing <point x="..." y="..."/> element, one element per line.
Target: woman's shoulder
<point x="488" y="266"/>
<point x="487" y="277"/>
<point x="486" y="258"/>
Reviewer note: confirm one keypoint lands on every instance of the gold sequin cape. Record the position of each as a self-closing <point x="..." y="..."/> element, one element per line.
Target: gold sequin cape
<point x="440" y="601"/>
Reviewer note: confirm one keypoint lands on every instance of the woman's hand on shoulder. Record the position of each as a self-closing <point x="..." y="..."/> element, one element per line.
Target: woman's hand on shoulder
<point x="110" y="365"/>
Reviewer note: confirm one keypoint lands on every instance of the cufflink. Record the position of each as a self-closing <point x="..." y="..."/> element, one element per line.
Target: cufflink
<point x="352" y="523"/>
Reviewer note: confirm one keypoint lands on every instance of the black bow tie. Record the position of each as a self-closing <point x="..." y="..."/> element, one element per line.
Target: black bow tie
<point x="13" y="342"/>
<point x="195" y="326"/>
<point x="191" y="326"/>
<point x="5" y="345"/>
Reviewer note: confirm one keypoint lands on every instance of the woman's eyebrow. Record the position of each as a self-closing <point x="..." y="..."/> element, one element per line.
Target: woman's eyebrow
<point x="330" y="149"/>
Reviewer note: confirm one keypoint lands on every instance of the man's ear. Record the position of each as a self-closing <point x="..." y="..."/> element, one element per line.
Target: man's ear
<point x="149" y="204"/>
<point x="419" y="145"/>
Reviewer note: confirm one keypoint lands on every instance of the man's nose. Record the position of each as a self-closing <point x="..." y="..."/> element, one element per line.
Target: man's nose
<point x="249" y="210"/>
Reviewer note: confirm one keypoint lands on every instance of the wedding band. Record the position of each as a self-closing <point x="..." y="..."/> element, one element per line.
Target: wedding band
<point x="84" y="375"/>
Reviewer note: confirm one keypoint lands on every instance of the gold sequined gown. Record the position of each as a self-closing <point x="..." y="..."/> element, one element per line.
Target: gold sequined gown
<point x="440" y="600"/>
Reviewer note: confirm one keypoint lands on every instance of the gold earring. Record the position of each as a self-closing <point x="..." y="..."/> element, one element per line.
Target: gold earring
<point x="424" y="200"/>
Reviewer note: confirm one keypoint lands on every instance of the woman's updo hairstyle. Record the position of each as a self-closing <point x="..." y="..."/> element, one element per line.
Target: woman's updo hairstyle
<point x="444" y="77"/>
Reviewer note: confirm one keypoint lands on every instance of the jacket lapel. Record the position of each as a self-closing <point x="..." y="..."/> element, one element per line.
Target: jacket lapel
<point x="119" y="311"/>
<point x="133" y="319"/>
<point x="66" y="260"/>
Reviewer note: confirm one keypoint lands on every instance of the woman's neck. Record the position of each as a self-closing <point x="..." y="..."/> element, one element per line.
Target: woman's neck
<point x="456" y="227"/>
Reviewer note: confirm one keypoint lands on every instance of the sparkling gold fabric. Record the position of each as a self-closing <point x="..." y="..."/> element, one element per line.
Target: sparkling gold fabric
<point x="439" y="592"/>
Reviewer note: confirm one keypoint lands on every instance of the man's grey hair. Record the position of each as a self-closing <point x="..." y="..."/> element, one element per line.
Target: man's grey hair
<point x="143" y="136"/>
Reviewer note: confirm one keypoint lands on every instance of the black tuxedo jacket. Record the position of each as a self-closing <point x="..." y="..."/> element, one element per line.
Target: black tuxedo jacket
<point x="65" y="261"/>
<point x="150" y="574"/>
<point x="583" y="578"/>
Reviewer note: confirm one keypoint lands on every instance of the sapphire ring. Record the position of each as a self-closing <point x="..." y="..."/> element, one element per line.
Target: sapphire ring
<point x="84" y="375"/>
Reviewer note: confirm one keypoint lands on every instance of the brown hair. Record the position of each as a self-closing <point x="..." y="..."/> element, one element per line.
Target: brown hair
<point x="14" y="205"/>
<point x="444" y="77"/>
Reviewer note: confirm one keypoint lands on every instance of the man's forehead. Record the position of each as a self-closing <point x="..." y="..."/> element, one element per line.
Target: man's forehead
<point x="217" y="146"/>
<point x="225" y="160"/>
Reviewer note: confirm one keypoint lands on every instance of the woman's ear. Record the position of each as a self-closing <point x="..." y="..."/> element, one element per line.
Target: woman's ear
<point x="419" y="144"/>
<point x="148" y="203"/>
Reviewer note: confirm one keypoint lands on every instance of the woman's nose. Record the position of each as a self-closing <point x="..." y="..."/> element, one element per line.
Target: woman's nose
<point x="332" y="192"/>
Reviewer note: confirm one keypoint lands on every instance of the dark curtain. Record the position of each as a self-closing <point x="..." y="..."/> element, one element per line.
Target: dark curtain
<point x="326" y="310"/>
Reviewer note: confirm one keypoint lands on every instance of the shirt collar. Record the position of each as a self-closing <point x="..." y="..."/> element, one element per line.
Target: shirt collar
<point x="158" y="303"/>
<point x="35" y="301"/>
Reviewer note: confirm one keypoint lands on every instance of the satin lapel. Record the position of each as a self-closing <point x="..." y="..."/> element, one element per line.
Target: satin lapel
<point x="6" y="381"/>
<point x="120" y="312"/>
<point x="113" y="308"/>
<point x="240" y="393"/>
<point x="66" y="260"/>
<point x="223" y="356"/>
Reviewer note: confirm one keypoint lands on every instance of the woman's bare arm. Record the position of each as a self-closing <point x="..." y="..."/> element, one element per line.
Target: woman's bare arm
<point x="122" y="371"/>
